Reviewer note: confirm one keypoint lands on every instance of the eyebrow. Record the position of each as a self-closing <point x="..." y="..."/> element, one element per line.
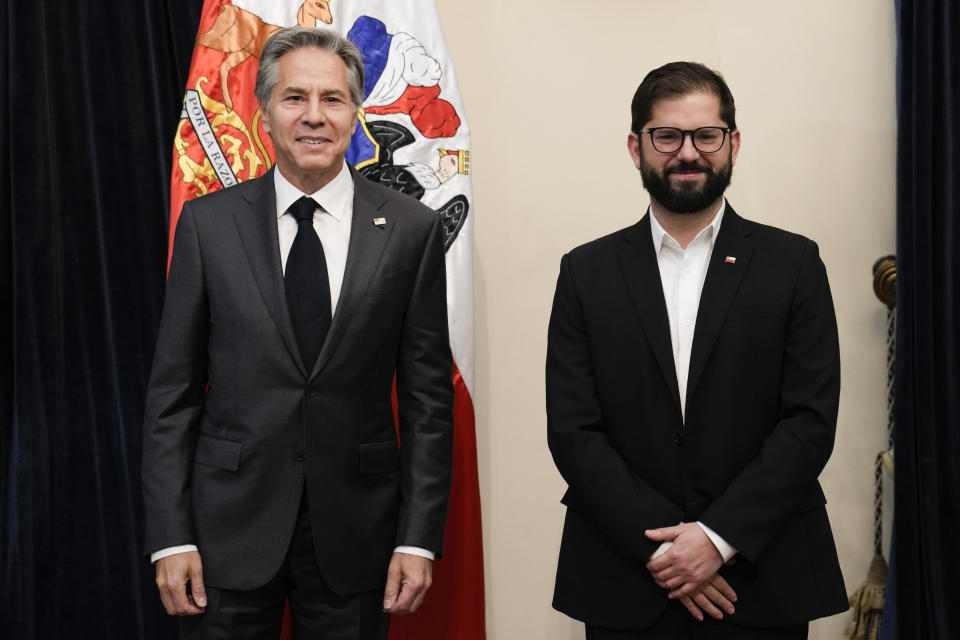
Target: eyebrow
<point x="302" y="91"/>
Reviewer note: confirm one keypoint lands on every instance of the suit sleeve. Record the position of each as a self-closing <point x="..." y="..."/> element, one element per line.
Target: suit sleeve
<point x="782" y="477"/>
<point x="425" y="403"/>
<point x="175" y="395"/>
<point x="601" y="484"/>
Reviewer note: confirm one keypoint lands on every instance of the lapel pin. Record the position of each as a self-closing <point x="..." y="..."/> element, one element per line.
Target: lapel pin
<point x="730" y="259"/>
<point x="379" y="221"/>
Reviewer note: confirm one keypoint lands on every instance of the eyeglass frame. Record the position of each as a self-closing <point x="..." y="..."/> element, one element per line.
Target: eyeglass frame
<point x="683" y="137"/>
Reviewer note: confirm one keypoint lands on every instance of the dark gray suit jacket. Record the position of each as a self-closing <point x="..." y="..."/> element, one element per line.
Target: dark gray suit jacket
<point x="237" y="426"/>
<point x="761" y="410"/>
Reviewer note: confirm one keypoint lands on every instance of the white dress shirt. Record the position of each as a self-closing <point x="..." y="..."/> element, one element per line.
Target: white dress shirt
<point x="331" y="221"/>
<point x="682" y="272"/>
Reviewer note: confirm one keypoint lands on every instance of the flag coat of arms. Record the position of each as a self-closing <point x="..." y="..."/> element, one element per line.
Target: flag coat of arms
<point x="412" y="136"/>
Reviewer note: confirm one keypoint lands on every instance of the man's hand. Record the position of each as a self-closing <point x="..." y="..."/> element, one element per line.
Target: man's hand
<point x="691" y="561"/>
<point x="180" y="580"/>
<point x="408" y="579"/>
<point x="714" y="597"/>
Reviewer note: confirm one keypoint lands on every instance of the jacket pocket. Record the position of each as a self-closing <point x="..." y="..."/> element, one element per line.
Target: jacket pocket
<point x="378" y="457"/>
<point x="757" y="310"/>
<point x="393" y="282"/>
<point x="217" y="452"/>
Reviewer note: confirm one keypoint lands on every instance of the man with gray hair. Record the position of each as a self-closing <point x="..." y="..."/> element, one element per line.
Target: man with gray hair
<point x="272" y="469"/>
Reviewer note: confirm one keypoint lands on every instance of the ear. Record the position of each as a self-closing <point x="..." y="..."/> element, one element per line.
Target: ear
<point x="633" y="146"/>
<point x="265" y="118"/>
<point x="734" y="146"/>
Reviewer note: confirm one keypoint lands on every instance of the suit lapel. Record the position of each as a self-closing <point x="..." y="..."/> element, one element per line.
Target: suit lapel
<point x="719" y="288"/>
<point x="367" y="242"/>
<point x="257" y="225"/>
<point x="642" y="275"/>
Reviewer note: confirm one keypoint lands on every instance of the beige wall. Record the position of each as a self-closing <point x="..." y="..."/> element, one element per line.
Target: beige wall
<point x="547" y="87"/>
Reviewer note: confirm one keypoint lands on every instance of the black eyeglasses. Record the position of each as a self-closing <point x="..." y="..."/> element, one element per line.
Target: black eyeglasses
<point x="670" y="139"/>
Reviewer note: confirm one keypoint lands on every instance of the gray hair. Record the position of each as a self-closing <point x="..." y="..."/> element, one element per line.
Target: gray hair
<point x="286" y="40"/>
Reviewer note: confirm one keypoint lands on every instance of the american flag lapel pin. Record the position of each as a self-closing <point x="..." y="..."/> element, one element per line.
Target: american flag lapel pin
<point x="379" y="222"/>
<point x="730" y="260"/>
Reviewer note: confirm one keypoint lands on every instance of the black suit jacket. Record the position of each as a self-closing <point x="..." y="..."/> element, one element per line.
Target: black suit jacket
<point x="762" y="398"/>
<point x="226" y="469"/>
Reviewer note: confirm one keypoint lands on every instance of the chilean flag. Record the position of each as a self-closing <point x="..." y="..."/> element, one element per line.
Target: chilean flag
<point x="412" y="135"/>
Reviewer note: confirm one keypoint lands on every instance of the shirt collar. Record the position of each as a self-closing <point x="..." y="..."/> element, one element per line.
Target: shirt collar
<point x="334" y="197"/>
<point x="660" y="234"/>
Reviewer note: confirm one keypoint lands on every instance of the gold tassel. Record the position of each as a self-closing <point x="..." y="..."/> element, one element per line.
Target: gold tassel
<point x="866" y="603"/>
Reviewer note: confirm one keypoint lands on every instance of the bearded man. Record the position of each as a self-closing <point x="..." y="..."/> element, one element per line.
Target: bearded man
<point x="693" y="380"/>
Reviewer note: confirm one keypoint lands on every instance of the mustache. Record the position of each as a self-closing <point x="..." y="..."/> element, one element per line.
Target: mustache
<point x="686" y="166"/>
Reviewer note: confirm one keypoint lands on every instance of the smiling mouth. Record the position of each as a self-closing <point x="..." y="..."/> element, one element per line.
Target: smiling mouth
<point x="313" y="141"/>
<point x="686" y="172"/>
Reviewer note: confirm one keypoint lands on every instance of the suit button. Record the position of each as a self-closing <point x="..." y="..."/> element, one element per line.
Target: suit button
<point x="678" y="438"/>
<point x="300" y="456"/>
<point x="310" y="394"/>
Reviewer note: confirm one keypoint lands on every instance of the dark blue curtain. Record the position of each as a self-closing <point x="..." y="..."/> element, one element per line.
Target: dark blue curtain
<point x="93" y="93"/>
<point x="926" y="555"/>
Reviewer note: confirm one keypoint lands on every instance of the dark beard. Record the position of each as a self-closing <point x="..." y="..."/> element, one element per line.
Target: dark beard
<point x="688" y="198"/>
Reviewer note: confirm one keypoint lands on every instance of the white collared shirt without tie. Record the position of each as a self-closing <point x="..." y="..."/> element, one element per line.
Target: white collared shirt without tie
<point x="682" y="273"/>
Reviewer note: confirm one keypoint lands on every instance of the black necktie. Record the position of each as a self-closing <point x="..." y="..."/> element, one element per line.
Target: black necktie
<point x="307" y="284"/>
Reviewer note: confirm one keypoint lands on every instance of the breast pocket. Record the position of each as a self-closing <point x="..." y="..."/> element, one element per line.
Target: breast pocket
<point x="392" y="283"/>
<point x="757" y="310"/>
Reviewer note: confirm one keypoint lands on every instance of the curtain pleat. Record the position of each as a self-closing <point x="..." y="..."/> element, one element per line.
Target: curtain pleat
<point x="93" y="95"/>
<point x="926" y="556"/>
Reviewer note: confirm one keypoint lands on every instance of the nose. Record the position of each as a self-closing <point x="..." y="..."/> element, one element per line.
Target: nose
<point x="314" y="113"/>
<point x="687" y="151"/>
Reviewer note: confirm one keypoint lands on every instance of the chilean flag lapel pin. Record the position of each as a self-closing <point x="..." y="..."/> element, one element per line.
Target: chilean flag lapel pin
<point x="730" y="260"/>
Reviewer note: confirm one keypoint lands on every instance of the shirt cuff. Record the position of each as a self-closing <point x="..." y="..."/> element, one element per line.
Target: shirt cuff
<point x="170" y="551"/>
<point x="416" y="551"/>
<point x="722" y="545"/>
<point x="662" y="548"/>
